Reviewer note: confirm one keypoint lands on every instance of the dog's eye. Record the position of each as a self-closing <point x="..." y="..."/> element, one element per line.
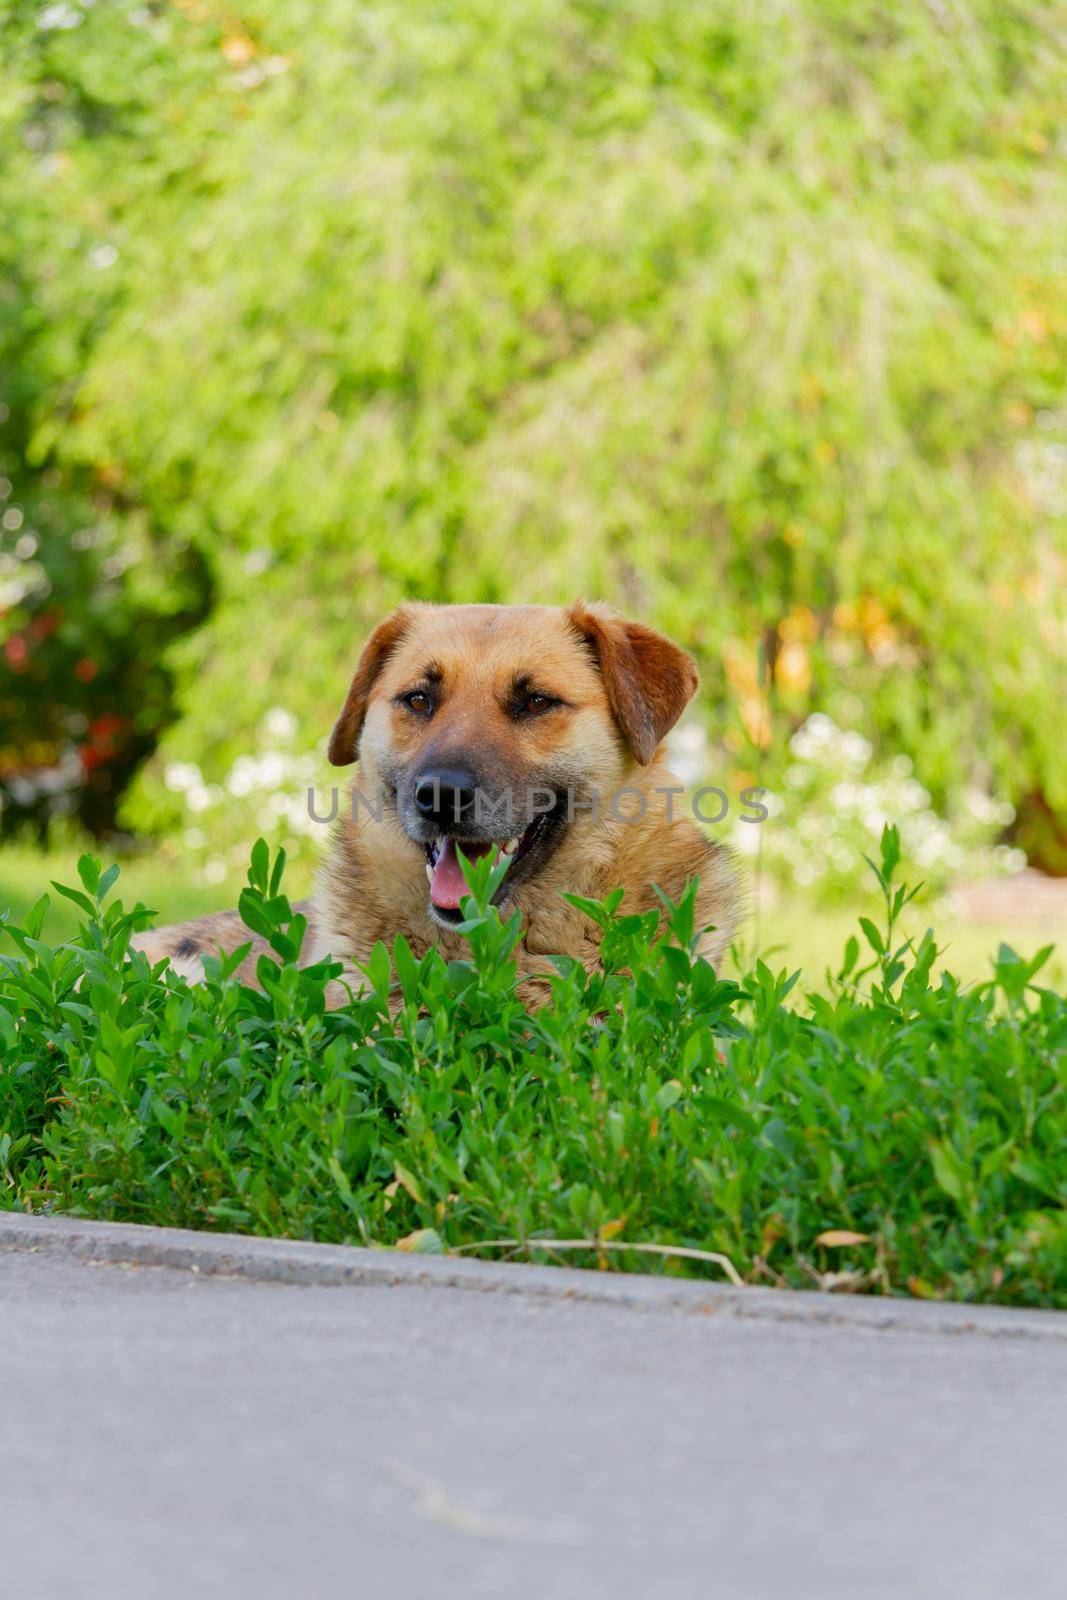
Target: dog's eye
<point x="533" y="704"/>
<point x="418" y="701"/>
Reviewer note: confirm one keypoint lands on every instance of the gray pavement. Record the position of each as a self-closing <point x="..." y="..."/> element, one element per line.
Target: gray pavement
<point x="284" y="1420"/>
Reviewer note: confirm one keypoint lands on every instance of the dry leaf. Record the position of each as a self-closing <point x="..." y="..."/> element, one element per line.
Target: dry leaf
<point x="842" y="1282"/>
<point x="773" y="1230"/>
<point x="409" y="1182"/>
<point x="835" y="1238"/>
<point x="424" y="1241"/>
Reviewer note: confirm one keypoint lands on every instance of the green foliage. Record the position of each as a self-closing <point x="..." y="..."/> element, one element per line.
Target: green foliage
<point x="748" y="317"/>
<point x="84" y="619"/>
<point x="896" y="1134"/>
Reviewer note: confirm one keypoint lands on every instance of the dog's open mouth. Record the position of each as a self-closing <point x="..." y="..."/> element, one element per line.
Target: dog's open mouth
<point x="524" y="853"/>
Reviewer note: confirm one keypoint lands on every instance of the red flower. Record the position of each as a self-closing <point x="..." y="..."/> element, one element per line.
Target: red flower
<point x="17" y="652"/>
<point x="106" y="736"/>
<point x="44" y="624"/>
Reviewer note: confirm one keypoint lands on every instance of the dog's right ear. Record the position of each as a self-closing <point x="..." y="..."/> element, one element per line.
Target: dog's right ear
<point x="344" y="740"/>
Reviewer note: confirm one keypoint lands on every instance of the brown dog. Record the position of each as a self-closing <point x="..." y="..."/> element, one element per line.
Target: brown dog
<point x="526" y="729"/>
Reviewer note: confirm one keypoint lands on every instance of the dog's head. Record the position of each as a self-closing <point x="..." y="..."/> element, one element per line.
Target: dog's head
<point x="495" y="725"/>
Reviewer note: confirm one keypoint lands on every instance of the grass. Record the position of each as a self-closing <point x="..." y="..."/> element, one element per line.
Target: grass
<point x="897" y="1132"/>
<point x="169" y="891"/>
<point x="810" y="939"/>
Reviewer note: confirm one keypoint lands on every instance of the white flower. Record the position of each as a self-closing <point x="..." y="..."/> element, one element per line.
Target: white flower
<point x="874" y="822"/>
<point x="182" y="775"/>
<point x="856" y="750"/>
<point x="812" y="736"/>
<point x="271" y="769"/>
<point x="59" y="16"/>
<point x="846" y="796"/>
<point x="746" y="840"/>
<point x="279" y="723"/>
<point x="687" y="748"/>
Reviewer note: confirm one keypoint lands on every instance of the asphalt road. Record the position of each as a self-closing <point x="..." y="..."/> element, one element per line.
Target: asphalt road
<point x="166" y="1432"/>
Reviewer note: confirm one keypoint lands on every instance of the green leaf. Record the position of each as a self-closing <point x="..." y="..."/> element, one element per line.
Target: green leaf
<point x="950" y="1172"/>
<point x="890" y="852"/>
<point x="89" y="873"/>
<point x="82" y="901"/>
<point x="259" y="866"/>
<point x="727" y="1113"/>
<point x="380" y="972"/>
<point x="408" y="1181"/>
<point x="668" y="1095"/>
<point x="407" y="969"/>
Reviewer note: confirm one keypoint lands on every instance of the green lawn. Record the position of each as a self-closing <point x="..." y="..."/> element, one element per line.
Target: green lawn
<point x="798" y="935"/>
<point x="26" y="874"/>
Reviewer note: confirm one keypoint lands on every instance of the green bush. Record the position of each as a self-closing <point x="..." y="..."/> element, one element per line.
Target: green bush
<point x="751" y="318"/>
<point x="894" y="1135"/>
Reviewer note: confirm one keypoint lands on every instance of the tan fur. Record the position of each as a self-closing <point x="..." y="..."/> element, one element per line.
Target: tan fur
<point x="624" y="685"/>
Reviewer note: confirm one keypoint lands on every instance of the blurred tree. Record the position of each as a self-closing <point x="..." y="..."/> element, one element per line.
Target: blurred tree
<point x="752" y="318"/>
<point x="84" y="693"/>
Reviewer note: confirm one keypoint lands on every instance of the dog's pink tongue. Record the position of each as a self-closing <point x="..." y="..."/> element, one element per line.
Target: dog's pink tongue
<point x="448" y="885"/>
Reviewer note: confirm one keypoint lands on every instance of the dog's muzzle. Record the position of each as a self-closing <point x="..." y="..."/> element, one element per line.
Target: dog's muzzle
<point x="447" y="811"/>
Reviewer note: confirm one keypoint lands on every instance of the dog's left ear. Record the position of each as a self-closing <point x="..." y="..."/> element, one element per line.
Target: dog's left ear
<point x="344" y="740"/>
<point x="649" y="680"/>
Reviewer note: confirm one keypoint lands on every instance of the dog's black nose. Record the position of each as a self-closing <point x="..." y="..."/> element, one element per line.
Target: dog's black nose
<point x="445" y="795"/>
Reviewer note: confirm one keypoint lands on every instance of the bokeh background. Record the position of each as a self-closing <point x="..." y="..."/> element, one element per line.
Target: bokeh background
<point x="748" y="317"/>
